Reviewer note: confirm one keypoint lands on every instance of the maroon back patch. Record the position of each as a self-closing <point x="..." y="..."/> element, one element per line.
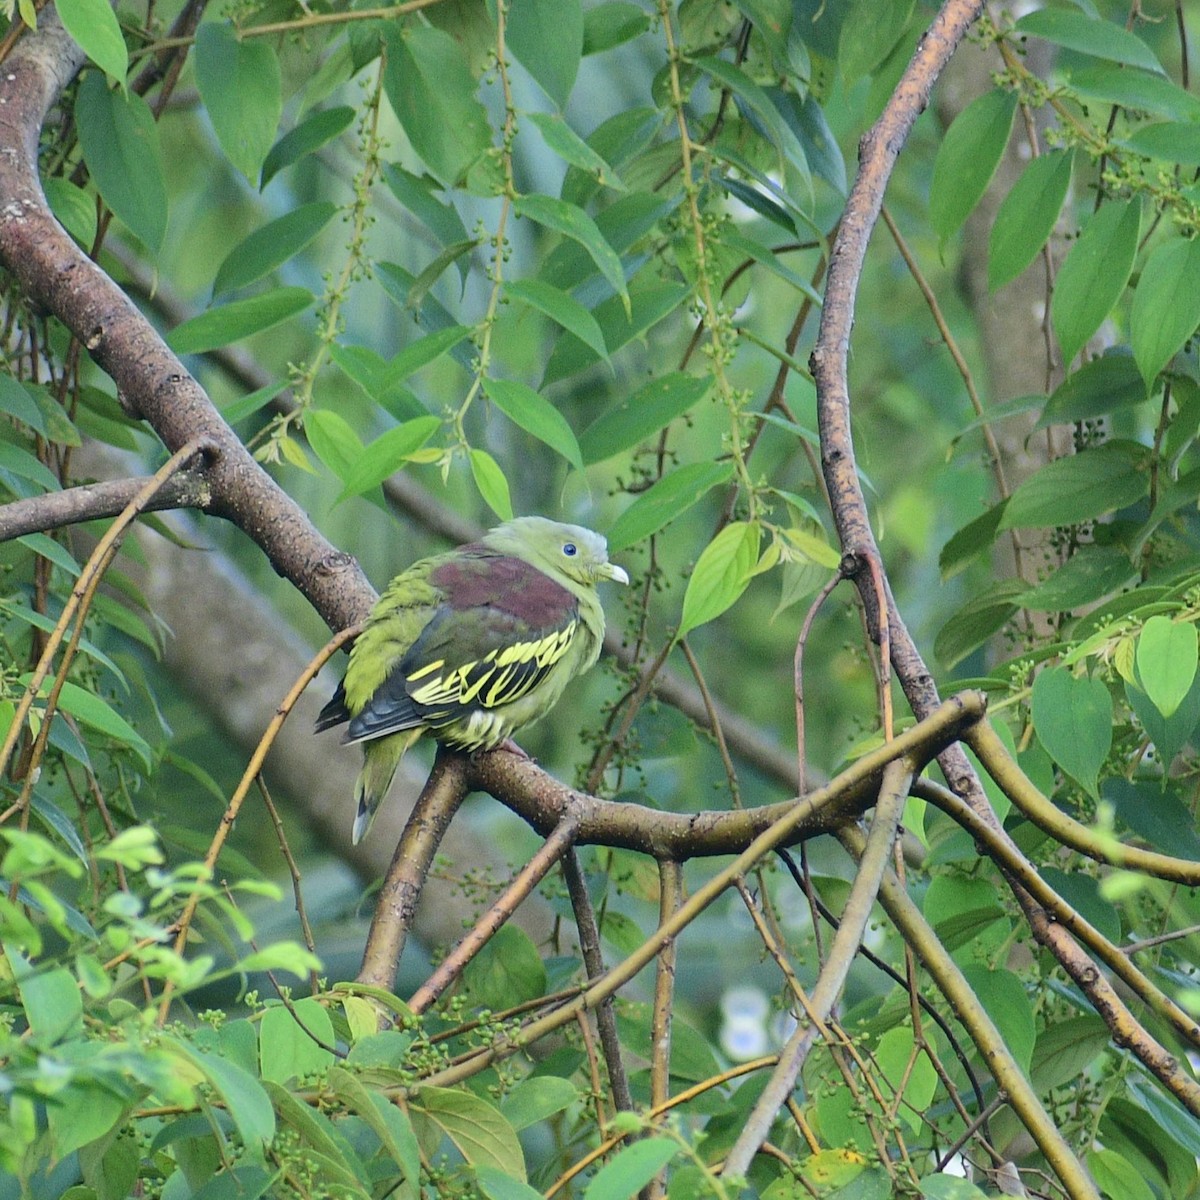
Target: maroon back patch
<point x="474" y="579"/>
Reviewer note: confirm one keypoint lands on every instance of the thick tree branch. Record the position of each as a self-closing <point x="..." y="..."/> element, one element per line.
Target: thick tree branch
<point x="151" y="381"/>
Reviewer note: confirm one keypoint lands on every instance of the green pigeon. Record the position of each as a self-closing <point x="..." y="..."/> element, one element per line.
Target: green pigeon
<point x="471" y="646"/>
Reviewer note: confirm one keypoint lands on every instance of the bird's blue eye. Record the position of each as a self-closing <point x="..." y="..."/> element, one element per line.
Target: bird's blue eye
<point x="570" y="550"/>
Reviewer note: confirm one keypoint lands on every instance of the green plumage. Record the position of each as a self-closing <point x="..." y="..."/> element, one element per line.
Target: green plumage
<point x="471" y="646"/>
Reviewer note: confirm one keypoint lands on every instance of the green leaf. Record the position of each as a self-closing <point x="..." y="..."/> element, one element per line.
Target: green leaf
<point x="758" y="108"/>
<point x="870" y="32"/>
<point x="119" y="139"/>
<point x="416" y="193"/>
<point x="631" y="1169"/>
<point x="238" y="319"/>
<point x="722" y="573"/>
<point x="1169" y="737"/>
<point x="385" y="1120"/>
<point x="432" y="92"/>
<point x="895" y="1056"/>
<point x="1065" y="1049"/>
<point x="649" y="409"/>
<point x="241" y="86"/>
<point x="1004" y="998"/>
<point x="1166" y="305"/>
<point x="1072" y="716"/>
<point x="16" y="401"/>
<point x="24" y="465"/>
<point x="506" y="972"/>
<point x="1080" y="487"/>
<point x="670" y="497"/>
<point x="1131" y="88"/>
<point x="91" y="710"/>
<point x="950" y="1187"/>
<point x="1117" y="1176"/>
<point x="561" y="308"/>
<point x="50" y="996"/>
<point x="311" y="134"/>
<point x="73" y="208"/>
<point x="1091" y="573"/>
<point x="612" y="24"/>
<point x="1027" y="216"/>
<point x="536" y="415"/>
<point x="492" y="485"/>
<point x="424" y="351"/>
<point x="81" y="1113"/>
<point x="387" y="454"/>
<point x="244" y="1097"/>
<point x="1085" y="34"/>
<point x="1172" y="141"/>
<point x="571" y="148"/>
<point x="287" y="1040"/>
<point x="546" y="38"/>
<point x="496" y="1185"/>
<point x="571" y="221"/>
<point x="967" y="160"/>
<point x="1094" y="274"/>
<point x="93" y="25"/>
<point x="482" y="1135"/>
<point x="1103" y="385"/>
<point x="648" y="306"/>
<point x="272" y="245"/>
<point x="1166" y="661"/>
<point x="536" y="1098"/>
<point x="970" y="541"/>
<point x="333" y="440"/>
<point x="242" y="407"/>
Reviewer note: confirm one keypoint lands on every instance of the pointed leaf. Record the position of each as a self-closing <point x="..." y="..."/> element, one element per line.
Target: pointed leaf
<point x="1085" y="34"/>
<point x="562" y="308"/>
<point x="1166" y="661"/>
<point x="967" y="160"/>
<point x="241" y="86"/>
<point x="536" y="415"/>
<point x="492" y="485"/>
<point x="571" y="221"/>
<point x="271" y="246"/>
<point x="1080" y="487"/>
<point x="647" y="411"/>
<point x="120" y="145"/>
<point x="238" y="319"/>
<point x="1094" y="274"/>
<point x="1166" y="305"/>
<point x="546" y="38"/>
<point x="1072" y="717"/>
<point x="93" y="25"/>
<point x="482" y="1135"/>
<point x="387" y="454"/>
<point x="669" y="498"/>
<point x="1027" y="216"/>
<point x="432" y="92"/>
<point x="311" y="134"/>
<point x="722" y="573"/>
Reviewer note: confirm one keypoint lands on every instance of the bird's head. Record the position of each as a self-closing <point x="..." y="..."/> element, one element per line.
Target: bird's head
<point x="557" y="549"/>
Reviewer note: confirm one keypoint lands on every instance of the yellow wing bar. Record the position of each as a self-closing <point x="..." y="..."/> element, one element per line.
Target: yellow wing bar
<point x="500" y="677"/>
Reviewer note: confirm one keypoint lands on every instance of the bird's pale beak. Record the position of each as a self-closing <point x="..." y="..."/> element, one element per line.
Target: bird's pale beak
<point x="613" y="572"/>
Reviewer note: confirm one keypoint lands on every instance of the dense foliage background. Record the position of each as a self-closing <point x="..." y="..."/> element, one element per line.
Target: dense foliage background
<point x="435" y="264"/>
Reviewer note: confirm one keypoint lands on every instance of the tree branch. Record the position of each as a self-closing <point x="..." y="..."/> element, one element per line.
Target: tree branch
<point x="36" y="514"/>
<point x="151" y="381"/>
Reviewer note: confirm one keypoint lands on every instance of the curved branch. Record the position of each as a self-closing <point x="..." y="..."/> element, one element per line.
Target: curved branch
<point x="151" y="381"/>
<point x="542" y="801"/>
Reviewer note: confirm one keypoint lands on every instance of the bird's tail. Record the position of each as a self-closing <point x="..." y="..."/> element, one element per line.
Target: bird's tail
<point x="381" y="757"/>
